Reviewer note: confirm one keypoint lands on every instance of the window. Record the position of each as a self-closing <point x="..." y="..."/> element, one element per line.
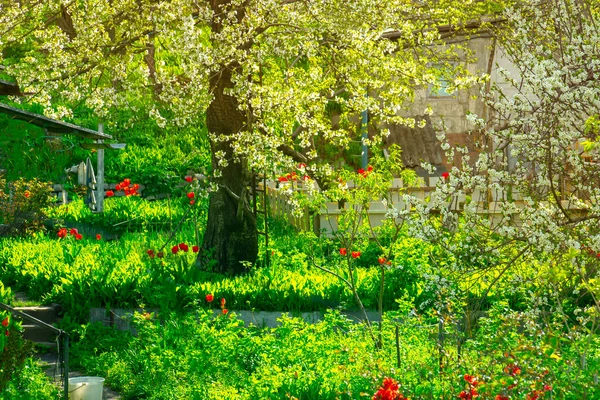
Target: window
<point x="445" y="73"/>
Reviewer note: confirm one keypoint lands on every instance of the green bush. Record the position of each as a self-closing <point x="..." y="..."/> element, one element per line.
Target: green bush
<point x="201" y="356"/>
<point x="30" y="384"/>
<point x="520" y="354"/>
<point x="14" y="350"/>
<point x="22" y="205"/>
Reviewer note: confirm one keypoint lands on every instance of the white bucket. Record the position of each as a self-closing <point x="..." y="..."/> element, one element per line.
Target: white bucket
<point x="86" y="388"/>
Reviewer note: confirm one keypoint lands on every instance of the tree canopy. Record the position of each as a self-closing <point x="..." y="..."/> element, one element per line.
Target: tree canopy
<point x="265" y="76"/>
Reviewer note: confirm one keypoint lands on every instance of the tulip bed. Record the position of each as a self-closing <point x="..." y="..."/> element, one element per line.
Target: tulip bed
<point x="82" y="268"/>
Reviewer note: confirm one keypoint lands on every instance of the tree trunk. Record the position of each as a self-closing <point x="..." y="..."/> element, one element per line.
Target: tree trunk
<point x="230" y="235"/>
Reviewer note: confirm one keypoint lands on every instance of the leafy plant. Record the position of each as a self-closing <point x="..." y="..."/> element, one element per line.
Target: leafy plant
<point x="22" y="205"/>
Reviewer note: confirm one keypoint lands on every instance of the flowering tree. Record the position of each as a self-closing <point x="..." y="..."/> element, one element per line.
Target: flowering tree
<point x="538" y="172"/>
<point x="277" y="81"/>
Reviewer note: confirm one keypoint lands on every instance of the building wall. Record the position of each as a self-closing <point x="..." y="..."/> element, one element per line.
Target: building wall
<point x="449" y="112"/>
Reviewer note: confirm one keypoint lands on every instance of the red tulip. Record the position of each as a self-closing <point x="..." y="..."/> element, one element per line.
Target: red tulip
<point x="184" y="247"/>
<point x="5" y="322"/>
<point x="355" y="254"/>
<point x="118" y="187"/>
<point x="73" y="231"/>
<point x="195" y="249"/>
<point x="225" y="311"/>
<point x="6" y="333"/>
<point x="160" y="254"/>
<point x="189" y="179"/>
<point x="127" y="181"/>
<point x="98" y="236"/>
<point x="192" y="202"/>
<point x="343" y="251"/>
<point x="445" y="175"/>
<point x="381" y="260"/>
<point x="27" y="194"/>
<point x="78" y="236"/>
<point x="223" y="302"/>
<point x="62" y="233"/>
<point x="210" y="298"/>
<point x="174" y="249"/>
<point x="190" y="195"/>
<point x="150" y="253"/>
<point x="110" y="193"/>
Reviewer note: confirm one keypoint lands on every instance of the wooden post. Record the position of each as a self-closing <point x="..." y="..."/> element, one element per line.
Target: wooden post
<point x="100" y="175"/>
<point x="397" y="347"/>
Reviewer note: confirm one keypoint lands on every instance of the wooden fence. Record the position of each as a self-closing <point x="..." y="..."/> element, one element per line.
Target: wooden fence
<point x="489" y="203"/>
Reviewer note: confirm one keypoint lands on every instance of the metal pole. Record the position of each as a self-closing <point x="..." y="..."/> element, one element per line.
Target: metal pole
<point x="66" y="364"/>
<point x="266" y="208"/>
<point x="61" y="334"/>
<point x="100" y="174"/>
<point x="365" y="135"/>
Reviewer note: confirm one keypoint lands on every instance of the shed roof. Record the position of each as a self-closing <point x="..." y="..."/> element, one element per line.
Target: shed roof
<point x="418" y="144"/>
<point x="53" y="125"/>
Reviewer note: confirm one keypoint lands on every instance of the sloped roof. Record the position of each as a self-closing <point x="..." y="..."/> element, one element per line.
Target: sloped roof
<point x="418" y="144"/>
<point x="53" y="125"/>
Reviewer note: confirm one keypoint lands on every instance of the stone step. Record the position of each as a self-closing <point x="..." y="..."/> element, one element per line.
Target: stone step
<point x="34" y="332"/>
<point x="38" y="334"/>
<point x="46" y="347"/>
<point x="47" y="314"/>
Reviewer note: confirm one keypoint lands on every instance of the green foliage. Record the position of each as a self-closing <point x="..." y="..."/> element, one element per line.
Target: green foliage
<point x="155" y="157"/>
<point x="80" y="274"/>
<point x="14" y="350"/>
<point x="22" y="205"/>
<point x="31" y="383"/>
<point x="592" y="130"/>
<point x="520" y="353"/>
<point x="159" y="159"/>
<point x="127" y="214"/>
<point x="27" y="152"/>
<point x="85" y="273"/>
<point x="5" y="294"/>
<point x="202" y="356"/>
<point x="199" y="356"/>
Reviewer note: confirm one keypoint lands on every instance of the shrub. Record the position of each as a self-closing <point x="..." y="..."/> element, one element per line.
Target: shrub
<point x="14" y="349"/>
<point x="22" y="206"/>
